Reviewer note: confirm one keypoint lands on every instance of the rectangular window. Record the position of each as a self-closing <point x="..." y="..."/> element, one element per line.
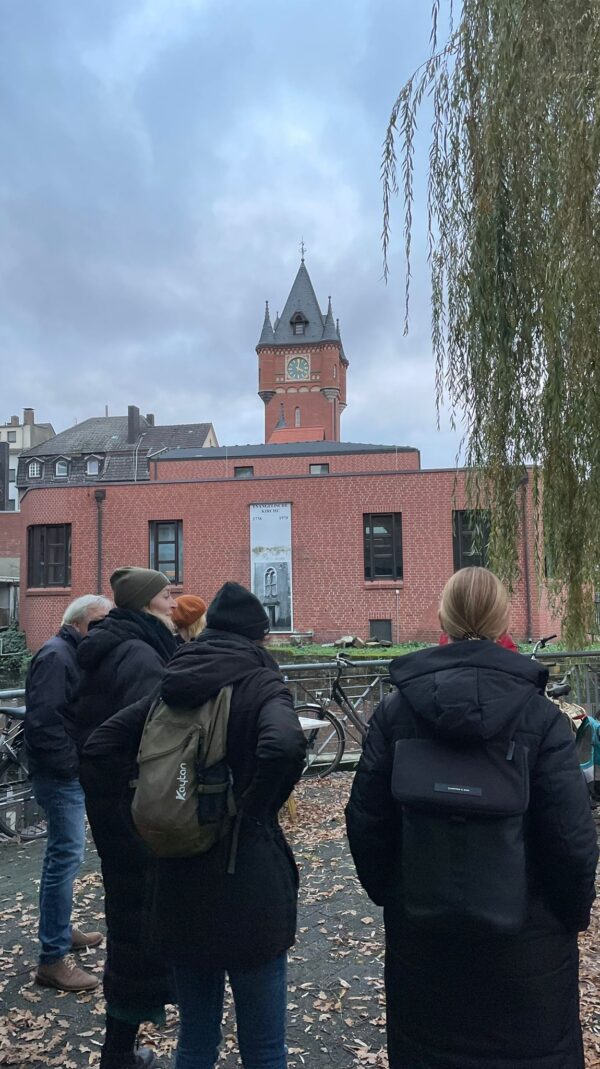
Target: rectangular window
<point x="49" y="555"/>
<point x="381" y="630"/>
<point x="11" y="475"/>
<point x="470" y="538"/>
<point x="166" y="548"/>
<point x="319" y="469"/>
<point x="246" y="472"/>
<point x="383" y="545"/>
<point x="11" y="436"/>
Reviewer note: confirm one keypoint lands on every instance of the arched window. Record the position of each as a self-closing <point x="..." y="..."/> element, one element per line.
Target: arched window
<point x="34" y="470"/>
<point x="61" y="469"/>
<point x="92" y="466"/>
<point x="297" y="417"/>
<point x="298" y="323"/>
<point x="270" y="583"/>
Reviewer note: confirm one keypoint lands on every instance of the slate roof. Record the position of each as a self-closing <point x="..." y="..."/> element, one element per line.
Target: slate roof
<point x="302" y="298"/>
<point x="106" y="437"/>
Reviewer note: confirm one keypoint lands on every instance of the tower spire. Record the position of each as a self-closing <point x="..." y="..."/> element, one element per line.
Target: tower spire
<point x="329" y="331"/>
<point x="267" y="336"/>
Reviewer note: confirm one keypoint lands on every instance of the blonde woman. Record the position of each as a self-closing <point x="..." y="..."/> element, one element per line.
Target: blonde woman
<point x="189" y="616"/>
<point x="469" y="822"/>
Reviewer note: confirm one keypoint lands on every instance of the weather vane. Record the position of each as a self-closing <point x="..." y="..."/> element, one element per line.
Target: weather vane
<point x="302" y="249"/>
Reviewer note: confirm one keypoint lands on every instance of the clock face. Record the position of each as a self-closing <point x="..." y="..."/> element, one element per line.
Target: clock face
<point x="298" y="368"/>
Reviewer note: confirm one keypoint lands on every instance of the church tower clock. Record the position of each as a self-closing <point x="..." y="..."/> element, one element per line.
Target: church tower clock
<point x="302" y="368"/>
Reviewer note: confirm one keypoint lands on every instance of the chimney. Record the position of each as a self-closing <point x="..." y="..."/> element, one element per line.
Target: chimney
<point x="28" y="417"/>
<point x="133" y="424"/>
<point x="150" y="418"/>
<point x="14" y="421"/>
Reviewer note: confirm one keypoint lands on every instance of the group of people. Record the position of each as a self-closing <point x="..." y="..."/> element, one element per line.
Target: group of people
<point x="480" y="971"/>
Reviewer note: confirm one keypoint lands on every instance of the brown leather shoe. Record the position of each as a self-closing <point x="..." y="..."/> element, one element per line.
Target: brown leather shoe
<point x="65" y="975"/>
<point x="83" y="940"/>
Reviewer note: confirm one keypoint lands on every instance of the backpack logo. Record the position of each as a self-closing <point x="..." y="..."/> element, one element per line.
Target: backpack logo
<point x="182" y="779"/>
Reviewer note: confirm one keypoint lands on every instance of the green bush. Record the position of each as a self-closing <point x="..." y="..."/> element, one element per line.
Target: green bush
<point x="14" y="656"/>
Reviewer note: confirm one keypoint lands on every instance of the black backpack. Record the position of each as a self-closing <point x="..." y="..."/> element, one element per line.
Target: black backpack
<point x="463" y="838"/>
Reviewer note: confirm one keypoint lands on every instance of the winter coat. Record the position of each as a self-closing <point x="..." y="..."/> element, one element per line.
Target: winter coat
<point x="51" y="685"/>
<point x="201" y="915"/>
<point x="123" y="659"/>
<point x="493" y="1001"/>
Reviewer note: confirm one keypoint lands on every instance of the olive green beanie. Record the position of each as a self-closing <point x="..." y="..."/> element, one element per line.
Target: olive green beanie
<point x="133" y="588"/>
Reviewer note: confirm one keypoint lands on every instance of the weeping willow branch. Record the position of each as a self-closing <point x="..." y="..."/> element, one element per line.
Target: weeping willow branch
<point x="514" y="254"/>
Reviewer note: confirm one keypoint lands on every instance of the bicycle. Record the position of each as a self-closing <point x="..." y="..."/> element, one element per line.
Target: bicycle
<point x="329" y="733"/>
<point x="16" y="791"/>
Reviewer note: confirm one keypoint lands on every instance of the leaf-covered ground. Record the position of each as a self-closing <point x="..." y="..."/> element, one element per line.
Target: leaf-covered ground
<point x="336" y="1003"/>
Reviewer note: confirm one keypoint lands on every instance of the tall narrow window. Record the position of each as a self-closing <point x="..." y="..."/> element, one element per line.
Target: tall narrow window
<point x="470" y="538"/>
<point x="34" y="469"/>
<point x="166" y="548"/>
<point x="92" y="466"/>
<point x="270" y="583"/>
<point x="49" y="555"/>
<point x="297" y="417"/>
<point x="61" y="469"/>
<point x="383" y="545"/>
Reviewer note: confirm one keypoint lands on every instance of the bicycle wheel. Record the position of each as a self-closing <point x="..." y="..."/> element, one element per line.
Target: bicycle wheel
<point x="325" y="740"/>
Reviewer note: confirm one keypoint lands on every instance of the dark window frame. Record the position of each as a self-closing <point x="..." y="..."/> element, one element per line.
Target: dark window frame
<point x="464" y="534"/>
<point x="171" y="566"/>
<point x="42" y="569"/>
<point x="379" y="547"/>
<point x="11" y="436"/>
<point x="243" y="471"/>
<point x="320" y="466"/>
<point x="379" y="627"/>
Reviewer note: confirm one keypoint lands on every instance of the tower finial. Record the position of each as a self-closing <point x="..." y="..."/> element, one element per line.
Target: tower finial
<point x="302" y="249"/>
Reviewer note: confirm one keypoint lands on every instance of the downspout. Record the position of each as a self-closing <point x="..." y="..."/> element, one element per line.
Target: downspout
<point x="100" y="497"/>
<point x="524" y="485"/>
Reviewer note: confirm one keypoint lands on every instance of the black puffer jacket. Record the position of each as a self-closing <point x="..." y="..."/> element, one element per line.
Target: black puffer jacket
<point x="201" y="915"/>
<point x="499" y="1002"/>
<point x="123" y="659"/>
<point x="51" y="686"/>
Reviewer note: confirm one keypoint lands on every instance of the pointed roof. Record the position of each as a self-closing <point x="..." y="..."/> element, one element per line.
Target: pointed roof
<point x="303" y="299"/>
<point x="329" y="331"/>
<point x="266" y="335"/>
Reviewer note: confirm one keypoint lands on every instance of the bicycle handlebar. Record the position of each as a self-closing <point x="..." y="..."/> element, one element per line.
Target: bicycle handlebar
<point x="17" y="712"/>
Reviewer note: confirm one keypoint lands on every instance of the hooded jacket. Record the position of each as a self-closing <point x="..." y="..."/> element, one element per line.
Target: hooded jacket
<point x="201" y="915"/>
<point x="51" y="686"/>
<point x="507" y="1001"/>
<point x="122" y="660"/>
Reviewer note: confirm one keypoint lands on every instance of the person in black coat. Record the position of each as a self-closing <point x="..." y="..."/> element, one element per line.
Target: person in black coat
<point x="52" y="681"/>
<point x="491" y="998"/>
<point x="204" y="920"/>
<point x="122" y="660"/>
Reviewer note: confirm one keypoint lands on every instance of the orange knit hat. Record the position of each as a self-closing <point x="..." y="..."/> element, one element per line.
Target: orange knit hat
<point x="188" y="609"/>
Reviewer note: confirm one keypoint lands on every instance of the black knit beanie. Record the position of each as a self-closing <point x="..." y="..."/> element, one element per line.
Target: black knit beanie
<point x="234" y="608"/>
<point x="133" y="588"/>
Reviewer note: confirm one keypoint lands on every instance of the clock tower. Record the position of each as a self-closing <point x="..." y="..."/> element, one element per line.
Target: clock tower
<point x="302" y="368"/>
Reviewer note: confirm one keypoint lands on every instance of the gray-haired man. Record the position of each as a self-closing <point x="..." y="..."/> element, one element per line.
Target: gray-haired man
<point x="52" y="682"/>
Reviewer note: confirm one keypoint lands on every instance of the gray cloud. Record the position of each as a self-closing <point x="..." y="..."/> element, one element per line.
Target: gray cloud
<point x="161" y="160"/>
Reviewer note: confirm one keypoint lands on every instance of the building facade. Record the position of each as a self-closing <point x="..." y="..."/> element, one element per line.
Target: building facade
<point x="335" y="538"/>
<point x="20" y="437"/>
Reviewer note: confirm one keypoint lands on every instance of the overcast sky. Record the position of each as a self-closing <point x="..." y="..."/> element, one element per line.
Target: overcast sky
<point x="160" y="162"/>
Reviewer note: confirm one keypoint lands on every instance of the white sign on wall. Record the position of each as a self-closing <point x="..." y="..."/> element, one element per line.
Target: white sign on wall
<point x="271" y="561"/>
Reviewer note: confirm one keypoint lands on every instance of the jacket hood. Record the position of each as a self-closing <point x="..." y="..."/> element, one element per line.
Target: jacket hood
<point x="468" y="689"/>
<point x="124" y="625"/>
<point x="213" y="660"/>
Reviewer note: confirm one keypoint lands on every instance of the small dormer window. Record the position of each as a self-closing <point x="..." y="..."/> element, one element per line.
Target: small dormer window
<point x="34" y="469"/>
<point x="61" y="469"/>
<point x="92" y="466"/>
<point x="298" y="323"/>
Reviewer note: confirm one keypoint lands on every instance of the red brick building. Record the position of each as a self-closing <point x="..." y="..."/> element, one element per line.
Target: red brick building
<point x="336" y="538"/>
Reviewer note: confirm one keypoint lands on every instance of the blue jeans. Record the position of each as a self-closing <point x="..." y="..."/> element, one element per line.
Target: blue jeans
<point x="260" y="997"/>
<point x="64" y="807"/>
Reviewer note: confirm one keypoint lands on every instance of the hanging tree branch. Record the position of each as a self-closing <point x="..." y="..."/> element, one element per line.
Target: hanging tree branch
<point x="514" y="254"/>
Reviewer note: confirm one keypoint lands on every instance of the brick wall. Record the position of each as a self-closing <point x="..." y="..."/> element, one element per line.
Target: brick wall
<point x="331" y="596"/>
<point x="11" y="534"/>
<point x="270" y="467"/>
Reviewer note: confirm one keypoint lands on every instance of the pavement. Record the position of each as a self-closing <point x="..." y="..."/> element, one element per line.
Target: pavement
<point x="335" y="997"/>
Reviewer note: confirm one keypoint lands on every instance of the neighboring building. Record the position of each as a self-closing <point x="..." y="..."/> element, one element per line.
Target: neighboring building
<point x="335" y="538"/>
<point x="21" y="436"/>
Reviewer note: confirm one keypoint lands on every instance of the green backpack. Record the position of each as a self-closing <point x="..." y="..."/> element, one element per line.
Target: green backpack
<point x="183" y="802"/>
